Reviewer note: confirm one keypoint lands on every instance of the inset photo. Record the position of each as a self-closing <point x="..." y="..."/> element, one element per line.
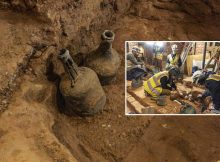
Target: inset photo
<point x="172" y="78"/>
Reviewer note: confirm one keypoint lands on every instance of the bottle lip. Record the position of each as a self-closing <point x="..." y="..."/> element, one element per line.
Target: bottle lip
<point x="108" y="35"/>
<point x="63" y="51"/>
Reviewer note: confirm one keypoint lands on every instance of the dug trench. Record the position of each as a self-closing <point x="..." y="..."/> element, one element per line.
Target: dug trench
<point x="31" y="126"/>
<point x="50" y="135"/>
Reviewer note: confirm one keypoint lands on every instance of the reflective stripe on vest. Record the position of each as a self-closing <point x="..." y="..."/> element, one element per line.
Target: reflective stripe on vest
<point x="214" y="77"/>
<point x="154" y="82"/>
<point x="152" y="91"/>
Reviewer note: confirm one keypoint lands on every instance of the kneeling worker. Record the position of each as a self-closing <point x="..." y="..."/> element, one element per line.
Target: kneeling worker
<point x="162" y="83"/>
<point x="212" y="83"/>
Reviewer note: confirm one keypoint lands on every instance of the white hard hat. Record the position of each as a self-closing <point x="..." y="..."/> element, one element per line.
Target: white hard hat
<point x="135" y="48"/>
<point x="174" y="46"/>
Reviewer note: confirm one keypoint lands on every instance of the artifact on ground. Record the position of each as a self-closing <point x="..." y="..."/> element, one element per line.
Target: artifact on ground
<point x="104" y="60"/>
<point x="81" y="91"/>
<point x="161" y="101"/>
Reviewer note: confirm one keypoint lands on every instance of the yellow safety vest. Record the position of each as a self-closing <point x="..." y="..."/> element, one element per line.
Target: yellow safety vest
<point x="159" y="56"/>
<point x="214" y="77"/>
<point x="153" y="85"/>
<point x="173" y="61"/>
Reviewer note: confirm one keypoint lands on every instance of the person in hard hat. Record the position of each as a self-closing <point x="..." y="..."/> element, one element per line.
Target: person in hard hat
<point x="135" y="71"/>
<point x="162" y="83"/>
<point x="200" y="76"/>
<point x="212" y="84"/>
<point x="158" y="51"/>
<point x="133" y="59"/>
<point x="173" y="59"/>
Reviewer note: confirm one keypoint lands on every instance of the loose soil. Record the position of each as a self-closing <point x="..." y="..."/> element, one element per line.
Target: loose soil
<point x="31" y="126"/>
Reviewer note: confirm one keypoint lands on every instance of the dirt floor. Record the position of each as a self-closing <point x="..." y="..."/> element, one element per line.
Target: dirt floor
<point x="31" y="127"/>
<point x="138" y="103"/>
<point x="178" y="139"/>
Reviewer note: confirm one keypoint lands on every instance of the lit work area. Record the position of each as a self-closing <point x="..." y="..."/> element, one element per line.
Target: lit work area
<point x="173" y="77"/>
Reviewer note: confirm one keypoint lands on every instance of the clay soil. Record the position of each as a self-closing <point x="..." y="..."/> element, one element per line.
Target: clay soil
<point x="31" y="126"/>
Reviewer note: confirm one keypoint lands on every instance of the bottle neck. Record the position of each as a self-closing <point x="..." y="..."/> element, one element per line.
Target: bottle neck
<point x="106" y="47"/>
<point x="70" y="66"/>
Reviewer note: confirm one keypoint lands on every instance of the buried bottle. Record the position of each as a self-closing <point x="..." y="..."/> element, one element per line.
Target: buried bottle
<point x="81" y="91"/>
<point x="104" y="60"/>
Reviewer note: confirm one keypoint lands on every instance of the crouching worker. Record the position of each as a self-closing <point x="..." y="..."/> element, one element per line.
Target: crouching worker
<point x="212" y="83"/>
<point x="162" y="83"/>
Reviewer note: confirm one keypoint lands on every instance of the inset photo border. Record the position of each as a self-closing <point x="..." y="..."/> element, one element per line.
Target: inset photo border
<point x="172" y="78"/>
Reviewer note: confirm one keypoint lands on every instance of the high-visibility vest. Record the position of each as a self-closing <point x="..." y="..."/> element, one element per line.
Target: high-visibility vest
<point x="159" y="56"/>
<point x="215" y="77"/>
<point x="173" y="61"/>
<point x="153" y="85"/>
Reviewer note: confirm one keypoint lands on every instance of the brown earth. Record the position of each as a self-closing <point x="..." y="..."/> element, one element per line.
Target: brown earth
<point x="31" y="127"/>
<point x="138" y="102"/>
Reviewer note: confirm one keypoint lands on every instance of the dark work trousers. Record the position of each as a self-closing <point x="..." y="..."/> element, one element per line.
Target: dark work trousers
<point x="214" y="89"/>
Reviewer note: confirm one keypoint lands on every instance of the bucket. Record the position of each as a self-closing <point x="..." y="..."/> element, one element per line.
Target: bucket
<point x="161" y="101"/>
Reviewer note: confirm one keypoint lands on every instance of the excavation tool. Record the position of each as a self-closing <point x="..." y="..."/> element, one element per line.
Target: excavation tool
<point x="186" y="108"/>
<point x="69" y="65"/>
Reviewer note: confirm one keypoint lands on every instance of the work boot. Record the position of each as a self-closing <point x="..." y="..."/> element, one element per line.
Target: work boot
<point x="136" y="83"/>
<point x="215" y="111"/>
